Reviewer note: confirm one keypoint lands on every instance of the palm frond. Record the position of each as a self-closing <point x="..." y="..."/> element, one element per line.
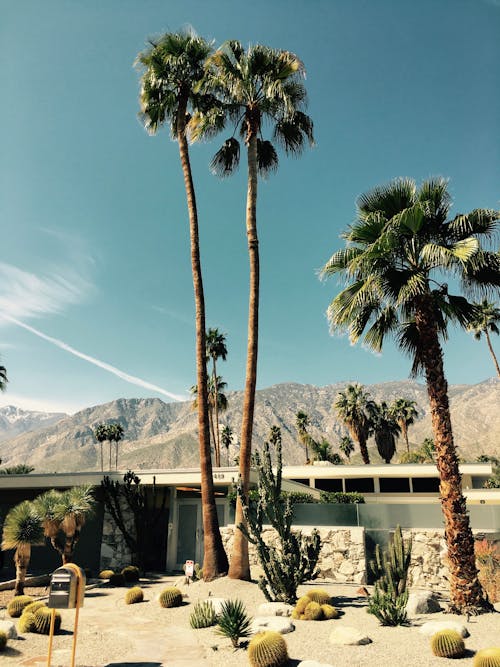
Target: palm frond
<point x="390" y="199"/>
<point x="340" y="261"/>
<point x="227" y="158"/>
<point x="267" y="158"/>
<point x="22" y="526"/>
<point x="479" y="221"/>
<point x="386" y="323"/>
<point x="291" y="133"/>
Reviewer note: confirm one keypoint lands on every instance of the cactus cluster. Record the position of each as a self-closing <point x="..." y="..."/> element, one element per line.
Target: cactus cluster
<point x="17" y="604"/>
<point x="447" y="644"/>
<point x="33" y="606"/>
<point x="42" y="621"/>
<point x="170" y="597"/>
<point x="131" y="574"/>
<point x="267" y="649"/>
<point x="105" y="574"/>
<point x="27" y="622"/>
<point x="203" y="615"/>
<point x="487" y="657"/>
<point x="3" y="639"/>
<point x="315" y="606"/>
<point x="134" y="595"/>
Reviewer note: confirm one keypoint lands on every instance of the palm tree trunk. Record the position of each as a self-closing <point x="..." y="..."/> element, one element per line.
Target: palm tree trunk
<point x="21" y="560"/>
<point x="215" y="562"/>
<point x="466" y="594"/>
<point x="116" y="455"/>
<point x="490" y="347"/>
<point x="240" y="565"/>
<point x="69" y="548"/>
<point x="211" y="425"/>
<point x="404" y="431"/>
<point x="102" y="458"/>
<point x="216" y="413"/>
<point x="110" y="450"/>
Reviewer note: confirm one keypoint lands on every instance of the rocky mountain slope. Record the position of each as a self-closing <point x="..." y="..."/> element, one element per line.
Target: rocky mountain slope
<point x="14" y="421"/>
<point x="163" y="435"/>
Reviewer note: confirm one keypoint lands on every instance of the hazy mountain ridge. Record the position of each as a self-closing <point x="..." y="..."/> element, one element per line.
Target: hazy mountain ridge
<point x="164" y="435"/>
<point x="14" y="421"/>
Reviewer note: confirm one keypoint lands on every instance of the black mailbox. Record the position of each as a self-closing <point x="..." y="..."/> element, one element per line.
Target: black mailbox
<point x="67" y="587"/>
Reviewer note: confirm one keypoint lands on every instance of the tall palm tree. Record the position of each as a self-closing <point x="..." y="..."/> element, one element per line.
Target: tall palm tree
<point x="352" y="407"/>
<point x="22" y="529"/>
<point x="346" y="446"/>
<point x="254" y="86"/>
<point x="301" y="424"/>
<point x="399" y="251"/>
<point x="216" y="349"/>
<point x="115" y="432"/>
<point x="227" y="439"/>
<point x="172" y="70"/>
<point x="101" y="435"/>
<point x="403" y="410"/>
<point x="487" y="319"/>
<point x="385" y="430"/>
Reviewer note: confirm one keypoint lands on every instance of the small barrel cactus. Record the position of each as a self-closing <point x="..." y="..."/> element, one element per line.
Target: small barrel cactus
<point x="329" y="612"/>
<point x="117" y="579"/>
<point x="447" y="644"/>
<point x="3" y="639"/>
<point x="300" y="606"/>
<point x="134" y="595"/>
<point x="106" y="574"/>
<point x="131" y="574"/>
<point x="34" y="606"/>
<point x="42" y="621"/>
<point x="170" y="597"/>
<point x="267" y="649"/>
<point x="487" y="657"/>
<point x="319" y="595"/>
<point x="27" y="622"/>
<point x="313" y="612"/>
<point x="203" y="615"/>
<point x="17" y="604"/>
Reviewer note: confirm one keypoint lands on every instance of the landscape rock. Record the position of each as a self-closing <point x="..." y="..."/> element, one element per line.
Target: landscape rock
<point x="275" y="609"/>
<point x="431" y="627"/>
<point x="362" y="592"/>
<point x="422" y="602"/>
<point x="313" y="663"/>
<point x="276" y="623"/>
<point x="345" y="635"/>
<point x="9" y="628"/>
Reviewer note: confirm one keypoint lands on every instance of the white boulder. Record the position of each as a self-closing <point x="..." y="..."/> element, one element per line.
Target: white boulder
<point x="275" y="609"/>
<point x="431" y="627"/>
<point x="422" y="602"/>
<point x="9" y="628"/>
<point x="277" y="623"/>
<point x="345" y="635"/>
<point x="313" y="663"/>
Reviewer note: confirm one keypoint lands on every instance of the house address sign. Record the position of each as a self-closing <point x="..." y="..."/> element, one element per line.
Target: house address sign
<point x="219" y="475"/>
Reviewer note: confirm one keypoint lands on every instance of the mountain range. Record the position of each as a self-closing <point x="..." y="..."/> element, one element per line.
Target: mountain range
<point x="164" y="435"/>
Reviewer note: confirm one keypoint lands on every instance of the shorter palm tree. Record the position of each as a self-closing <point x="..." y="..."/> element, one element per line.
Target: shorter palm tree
<point x="227" y="439"/>
<point x="346" y="446"/>
<point x="22" y="529"/>
<point x="301" y="424"/>
<point x="115" y="434"/>
<point x="101" y="435"/>
<point x="353" y="409"/>
<point x="216" y="349"/>
<point x="385" y="430"/>
<point x="403" y="410"/>
<point x="215" y="394"/>
<point x="486" y="321"/>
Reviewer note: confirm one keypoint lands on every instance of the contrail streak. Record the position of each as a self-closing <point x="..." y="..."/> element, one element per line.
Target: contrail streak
<point x="97" y="362"/>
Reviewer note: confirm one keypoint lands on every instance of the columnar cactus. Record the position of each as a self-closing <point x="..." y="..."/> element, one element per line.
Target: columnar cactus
<point x="134" y="595"/>
<point x="267" y="649"/>
<point x="447" y="644"/>
<point x="487" y="657"/>
<point x="17" y="604"/>
<point x="42" y="621"/>
<point x="170" y="597"/>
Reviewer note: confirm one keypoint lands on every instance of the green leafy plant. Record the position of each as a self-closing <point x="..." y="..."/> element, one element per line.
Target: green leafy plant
<point x="42" y="621"/>
<point x="170" y="597"/>
<point x="233" y="621"/>
<point x="203" y="615"/>
<point x="17" y="604"/>
<point x="487" y="657"/>
<point x="389" y="598"/>
<point x="292" y="558"/>
<point x="267" y="649"/>
<point x="336" y="497"/>
<point x="134" y="595"/>
<point x="447" y="644"/>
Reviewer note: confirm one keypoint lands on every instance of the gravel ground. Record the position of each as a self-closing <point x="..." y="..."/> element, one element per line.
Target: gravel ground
<point x="111" y="633"/>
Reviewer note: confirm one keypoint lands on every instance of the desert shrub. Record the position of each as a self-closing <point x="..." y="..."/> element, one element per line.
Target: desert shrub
<point x="233" y="621"/>
<point x="131" y="574"/>
<point x="447" y="644"/>
<point x="203" y="615"/>
<point x="17" y="604"/>
<point x="339" y="497"/>
<point x="267" y="649"/>
<point x="389" y="598"/>
<point x="134" y="595"/>
<point x="170" y="597"/>
<point x="42" y="621"/>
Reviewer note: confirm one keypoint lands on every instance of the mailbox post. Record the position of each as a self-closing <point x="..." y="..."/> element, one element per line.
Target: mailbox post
<point x="67" y="591"/>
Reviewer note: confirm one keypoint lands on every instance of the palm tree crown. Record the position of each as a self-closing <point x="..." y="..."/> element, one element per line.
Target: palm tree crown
<point x="486" y="321"/>
<point x="216" y="349"/>
<point x="404" y="412"/>
<point x="353" y="408"/>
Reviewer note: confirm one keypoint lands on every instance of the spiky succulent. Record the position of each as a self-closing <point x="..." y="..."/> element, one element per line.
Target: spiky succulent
<point x="313" y="612"/>
<point x="329" y="612"/>
<point x="17" y="604"/>
<point x="233" y="621"/>
<point x="131" y="573"/>
<point x="117" y="579"/>
<point x="42" y="620"/>
<point x="267" y="649"/>
<point x="27" y="622"/>
<point x="487" y="657"/>
<point x="447" y="644"/>
<point x="134" y="595"/>
<point x="203" y="615"/>
<point x="106" y="574"/>
<point x="170" y="597"/>
<point x="34" y="606"/>
<point x="319" y="595"/>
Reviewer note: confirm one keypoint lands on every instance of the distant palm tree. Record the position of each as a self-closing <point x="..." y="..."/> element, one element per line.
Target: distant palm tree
<point x="256" y="87"/>
<point x="301" y="424"/>
<point x="487" y="319"/>
<point x="346" y="446"/>
<point x="101" y="435"/>
<point x="352" y="407"/>
<point x="227" y="439"/>
<point x="322" y="451"/>
<point x="115" y="434"/>
<point x="216" y="349"/>
<point x="403" y="410"/>
<point x="385" y="430"/>
<point x="173" y="71"/>
<point x="426" y="453"/>
<point x="3" y="378"/>
<point x="215" y="393"/>
<point x="22" y="529"/>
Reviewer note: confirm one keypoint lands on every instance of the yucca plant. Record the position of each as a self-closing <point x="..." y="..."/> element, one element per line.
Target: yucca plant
<point x="22" y="529"/>
<point x="233" y="622"/>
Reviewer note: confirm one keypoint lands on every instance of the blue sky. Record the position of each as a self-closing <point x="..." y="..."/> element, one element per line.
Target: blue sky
<point x="95" y="279"/>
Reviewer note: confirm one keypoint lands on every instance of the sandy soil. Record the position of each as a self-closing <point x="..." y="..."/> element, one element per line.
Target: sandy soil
<point x="111" y="633"/>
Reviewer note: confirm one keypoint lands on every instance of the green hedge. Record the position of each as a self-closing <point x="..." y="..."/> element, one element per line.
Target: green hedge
<point x="349" y="498"/>
<point x="300" y="497"/>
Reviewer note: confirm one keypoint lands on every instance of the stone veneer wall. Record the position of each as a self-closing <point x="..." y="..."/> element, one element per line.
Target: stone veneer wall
<point x="114" y="550"/>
